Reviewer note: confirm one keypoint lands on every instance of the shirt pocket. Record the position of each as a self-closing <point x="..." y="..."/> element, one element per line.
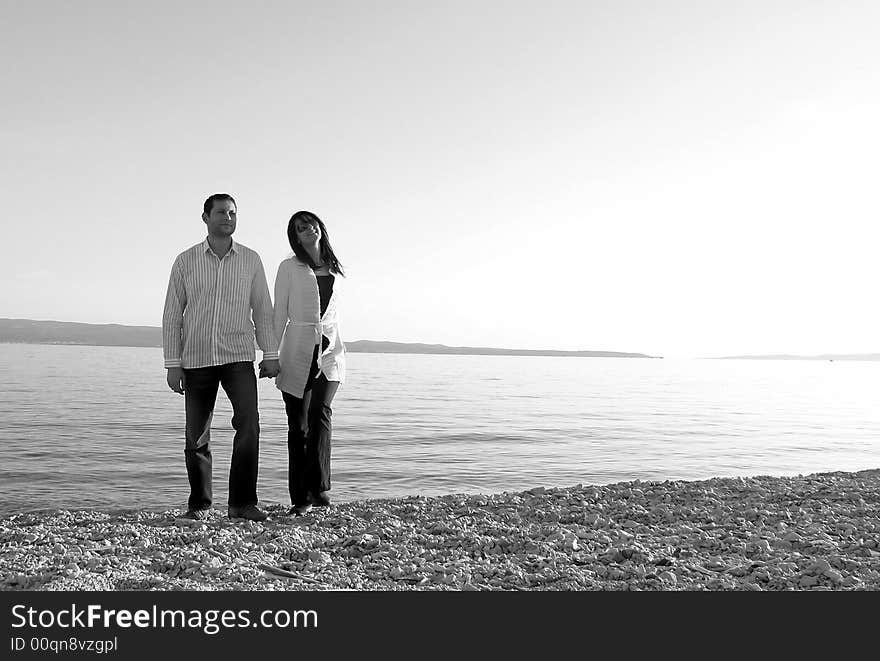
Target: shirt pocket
<point x="240" y="289"/>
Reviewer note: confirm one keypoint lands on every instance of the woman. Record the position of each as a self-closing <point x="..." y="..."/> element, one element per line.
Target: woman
<point x="312" y="356"/>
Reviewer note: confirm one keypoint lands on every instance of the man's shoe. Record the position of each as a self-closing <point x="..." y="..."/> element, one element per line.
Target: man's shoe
<point x="196" y="515"/>
<point x="249" y="512"/>
<point x="301" y="508"/>
<point x="320" y="499"/>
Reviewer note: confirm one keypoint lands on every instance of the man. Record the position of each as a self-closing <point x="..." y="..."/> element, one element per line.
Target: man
<point x="217" y="298"/>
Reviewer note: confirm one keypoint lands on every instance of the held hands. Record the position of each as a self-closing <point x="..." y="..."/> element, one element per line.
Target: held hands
<point x="176" y="379"/>
<point x="269" y="368"/>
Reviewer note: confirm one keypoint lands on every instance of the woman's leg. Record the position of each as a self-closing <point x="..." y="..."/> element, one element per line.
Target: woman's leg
<point x="319" y="433"/>
<point x="297" y="429"/>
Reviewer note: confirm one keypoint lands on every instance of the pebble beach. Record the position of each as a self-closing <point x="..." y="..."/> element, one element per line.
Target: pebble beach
<point x="814" y="532"/>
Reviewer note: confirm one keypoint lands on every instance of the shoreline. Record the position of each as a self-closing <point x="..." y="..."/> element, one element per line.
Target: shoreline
<point x="812" y="532"/>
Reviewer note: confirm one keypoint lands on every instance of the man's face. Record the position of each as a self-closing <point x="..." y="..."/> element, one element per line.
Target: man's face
<point x="221" y="220"/>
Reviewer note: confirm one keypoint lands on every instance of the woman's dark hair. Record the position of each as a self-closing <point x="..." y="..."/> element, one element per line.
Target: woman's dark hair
<point x="326" y="250"/>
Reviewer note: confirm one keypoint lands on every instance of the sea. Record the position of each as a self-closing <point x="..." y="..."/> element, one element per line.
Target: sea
<point x="97" y="427"/>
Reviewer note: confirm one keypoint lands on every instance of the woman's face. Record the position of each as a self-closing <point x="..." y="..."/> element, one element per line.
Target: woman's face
<point x="307" y="233"/>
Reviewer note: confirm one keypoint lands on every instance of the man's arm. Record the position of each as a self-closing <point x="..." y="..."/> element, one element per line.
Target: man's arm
<point x="261" y="304"/>
<point x="172" y="328"/>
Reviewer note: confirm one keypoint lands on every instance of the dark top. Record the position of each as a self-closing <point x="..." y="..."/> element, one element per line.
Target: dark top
<point x="325" y="290"/>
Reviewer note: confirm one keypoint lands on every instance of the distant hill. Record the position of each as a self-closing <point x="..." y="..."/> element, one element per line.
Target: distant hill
<point x="371" y="346"/>
<point x="824" y="356"/>
<point x="66" y="332"/>
<point x="116" y="335"/>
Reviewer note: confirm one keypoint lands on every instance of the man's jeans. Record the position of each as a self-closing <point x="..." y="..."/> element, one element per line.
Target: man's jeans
<point x="240" y="384"/>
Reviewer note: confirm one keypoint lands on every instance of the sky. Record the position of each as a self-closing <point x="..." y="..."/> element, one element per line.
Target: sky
<point x="681" y="178"/>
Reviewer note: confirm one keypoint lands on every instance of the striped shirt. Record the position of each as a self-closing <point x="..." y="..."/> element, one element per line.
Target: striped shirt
<point x="208" y="316"/>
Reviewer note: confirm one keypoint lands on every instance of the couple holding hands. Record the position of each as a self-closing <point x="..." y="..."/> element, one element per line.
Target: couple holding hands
<point x="217" y="302"/>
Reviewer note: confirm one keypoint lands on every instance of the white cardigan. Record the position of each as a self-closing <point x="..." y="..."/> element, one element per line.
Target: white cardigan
<point x="299" y="325"/>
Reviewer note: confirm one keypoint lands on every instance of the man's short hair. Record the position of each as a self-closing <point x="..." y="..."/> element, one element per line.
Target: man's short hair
<point x="209" y="203"/>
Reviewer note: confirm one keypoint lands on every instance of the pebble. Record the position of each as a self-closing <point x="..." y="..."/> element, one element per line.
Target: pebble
<point x="760" y="533"/>
<point x="820" y="566"/>
<point x="668" y="577"/>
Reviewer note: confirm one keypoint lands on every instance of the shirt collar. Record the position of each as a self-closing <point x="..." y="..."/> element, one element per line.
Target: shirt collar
<point x="206" y="247"/>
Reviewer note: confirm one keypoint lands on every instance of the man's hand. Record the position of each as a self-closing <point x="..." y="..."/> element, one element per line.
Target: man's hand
<point x="176" y="379"/>
<point x="270" y="368"/>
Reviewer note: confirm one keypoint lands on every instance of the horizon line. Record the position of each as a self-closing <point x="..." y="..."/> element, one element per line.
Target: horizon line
<point x="749" y="356"/>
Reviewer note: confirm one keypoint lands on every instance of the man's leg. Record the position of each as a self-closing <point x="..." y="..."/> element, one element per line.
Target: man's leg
<point x="318" y="440"/>
<point x="200" y="395"/>
<point x="240" y="383"/>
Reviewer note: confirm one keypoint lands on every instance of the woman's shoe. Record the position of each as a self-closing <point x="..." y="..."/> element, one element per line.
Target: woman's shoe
<point x="320" y="499"/>
<point x="301" y="508"/>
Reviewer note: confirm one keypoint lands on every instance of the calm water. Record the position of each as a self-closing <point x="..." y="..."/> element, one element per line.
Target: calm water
<point x="98" y="427"/>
